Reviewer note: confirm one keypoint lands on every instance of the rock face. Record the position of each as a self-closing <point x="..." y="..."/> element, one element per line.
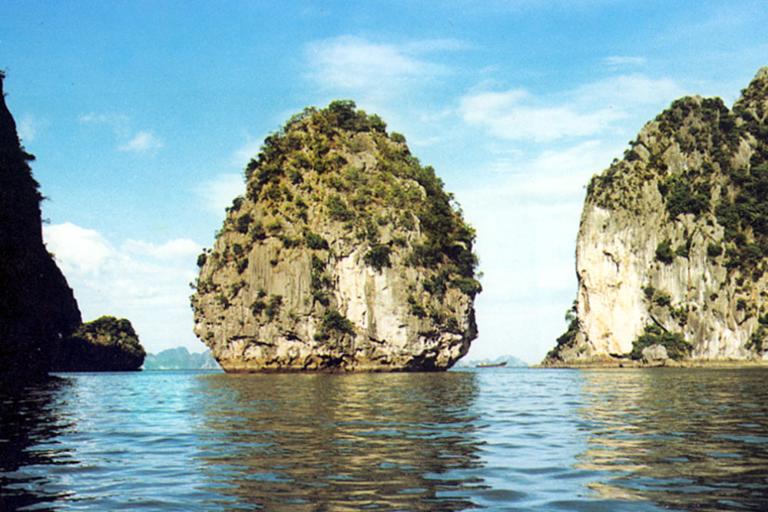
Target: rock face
<point x="345" y="254"/>
<point x="107" y="344"/>
<point x="673" y="243"/>
<point x="37" y="307"/>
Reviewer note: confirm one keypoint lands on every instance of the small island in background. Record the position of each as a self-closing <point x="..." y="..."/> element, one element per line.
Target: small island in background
<point x="180" y="358"/>
<point x="505" y="361"/>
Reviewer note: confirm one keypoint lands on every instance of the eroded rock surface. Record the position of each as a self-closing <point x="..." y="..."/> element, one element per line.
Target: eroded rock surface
<point x="673" y="239"/>
<point x="344" y="254"/>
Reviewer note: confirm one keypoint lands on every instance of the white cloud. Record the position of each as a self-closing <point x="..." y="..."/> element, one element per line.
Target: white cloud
<point x="353" y="64"/>
<point x="378" y="74"/>
<point x="142" y="281"/>
<point x="28" y="128"/>
<point x="173" y="249"/>
<point x="218" y="192"/>
<point x="118" y="123"/>
<point x="586" y="111"/>
<point x="514" y="115"/>
<point x="142" y="142"/>
<point x="526" y="221"/>
<point x="629" y="91"/>
<point x="246" y="152"/>
<point x="78" y="250"/>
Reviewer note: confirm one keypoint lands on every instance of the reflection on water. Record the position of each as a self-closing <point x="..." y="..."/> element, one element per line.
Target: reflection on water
<point x="506" y="439"/>
<point x="28" y="425"/>
<point x="348" y="442"/>
<point x="686" y="439"/>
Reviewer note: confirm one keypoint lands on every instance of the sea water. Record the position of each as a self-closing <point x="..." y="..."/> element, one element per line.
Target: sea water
<point x="494" y="439"/>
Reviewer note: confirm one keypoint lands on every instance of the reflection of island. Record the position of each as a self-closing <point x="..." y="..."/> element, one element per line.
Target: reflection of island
<point x="688" y="440"/>
<point x="342" y="442"/>
<point x="28" y="419"/>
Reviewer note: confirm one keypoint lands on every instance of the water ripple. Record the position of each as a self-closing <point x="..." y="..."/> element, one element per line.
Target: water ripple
<point x="549" y="440"/>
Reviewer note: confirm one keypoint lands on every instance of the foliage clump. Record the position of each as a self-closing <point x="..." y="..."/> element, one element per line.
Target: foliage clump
<point x="664" y="252"/>
<point x="334" y="324"/>
<point x="378" y="257"/>
<point x="675" y="344"/>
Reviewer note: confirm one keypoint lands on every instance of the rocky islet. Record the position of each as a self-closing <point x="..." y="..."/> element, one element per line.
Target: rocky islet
<point x="671" y="249"/>
<point x="344" y="254"/>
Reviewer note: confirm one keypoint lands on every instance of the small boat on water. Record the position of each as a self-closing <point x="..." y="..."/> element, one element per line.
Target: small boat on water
<point x="492" y="365"/>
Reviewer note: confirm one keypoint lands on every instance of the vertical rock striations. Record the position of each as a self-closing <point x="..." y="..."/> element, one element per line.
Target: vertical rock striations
<point x="37" y="307"/>
<point x="672" y="248"/>
<point x="345" y="254"/>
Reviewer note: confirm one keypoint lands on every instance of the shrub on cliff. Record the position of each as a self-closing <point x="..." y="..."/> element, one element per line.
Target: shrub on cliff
<point x="677" y="347"/>
<point x="332" y="201"/>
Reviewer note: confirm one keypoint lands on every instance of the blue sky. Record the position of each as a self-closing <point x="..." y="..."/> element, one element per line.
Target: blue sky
<point x="143" y="114"/>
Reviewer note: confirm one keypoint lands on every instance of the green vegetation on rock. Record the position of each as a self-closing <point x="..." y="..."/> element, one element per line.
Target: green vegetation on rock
<point x="687" y="210"/>
<point x="105" y="344"/>
<point x="675" y="344"/>
<point x="331" y="200"/>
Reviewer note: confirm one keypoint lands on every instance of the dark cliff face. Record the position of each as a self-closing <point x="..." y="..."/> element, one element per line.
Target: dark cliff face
<point x="37" y="307"/>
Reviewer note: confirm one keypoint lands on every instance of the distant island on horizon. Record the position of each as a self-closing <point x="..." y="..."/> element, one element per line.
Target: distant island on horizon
<point x="511" y="362"/>
<point x="180" y="358"/>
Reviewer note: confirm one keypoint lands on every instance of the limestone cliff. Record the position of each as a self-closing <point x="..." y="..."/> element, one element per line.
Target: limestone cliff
<point x="37" y="307"/>
<point x="672" y="248"/>
<point x="345" y="254"/>
<point x="107" y="344"/>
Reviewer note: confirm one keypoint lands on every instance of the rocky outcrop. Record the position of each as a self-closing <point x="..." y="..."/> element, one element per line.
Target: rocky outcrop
<point x="673" y="242"/>
<point x="107" y="344"/>
<point x="37" y="307"/>
<point x="345" y="254"/>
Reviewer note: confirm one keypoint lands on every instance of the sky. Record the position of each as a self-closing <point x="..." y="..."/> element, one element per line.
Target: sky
<point x="143" y="114"/>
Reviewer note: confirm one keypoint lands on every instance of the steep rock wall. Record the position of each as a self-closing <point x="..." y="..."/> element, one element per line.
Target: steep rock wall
<point x="673" y="242"/>
<point x="345" y="254"/>
<point x="37" y="307"/>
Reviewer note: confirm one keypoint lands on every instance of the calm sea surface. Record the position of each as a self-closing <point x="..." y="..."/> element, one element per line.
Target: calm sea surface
<point x="541" y="440"/>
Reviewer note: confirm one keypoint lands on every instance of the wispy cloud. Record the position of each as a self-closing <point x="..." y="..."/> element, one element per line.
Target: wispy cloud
<point x="118" y="123"/>
<point x="586" y="111"/>
<point x="217" y="193"/>
<point x="374" y="70"/>
<point x="28" y="127"/>
<point x="132" y="141"/>
<point x="515" y="115"/>
<point x="627" y="92"/>
<point x="143" y="281"/>
<point x="242" y="155"/>
<point x="142" y="142"/>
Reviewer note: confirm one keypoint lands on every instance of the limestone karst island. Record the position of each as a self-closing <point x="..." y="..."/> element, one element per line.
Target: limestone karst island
<point x="345" y="253"/>
<point x="306" y="256"/>
<point x="40" y="325"/>
<point x="671" y="250"/>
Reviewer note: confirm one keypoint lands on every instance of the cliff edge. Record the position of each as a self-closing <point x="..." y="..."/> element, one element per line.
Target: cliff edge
<point x="37" y="307"/>
<point x="345" y="254"/>
<point x="672" y="249"/>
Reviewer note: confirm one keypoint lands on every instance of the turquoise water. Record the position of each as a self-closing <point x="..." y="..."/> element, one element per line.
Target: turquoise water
<point x="502" y="439"/>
